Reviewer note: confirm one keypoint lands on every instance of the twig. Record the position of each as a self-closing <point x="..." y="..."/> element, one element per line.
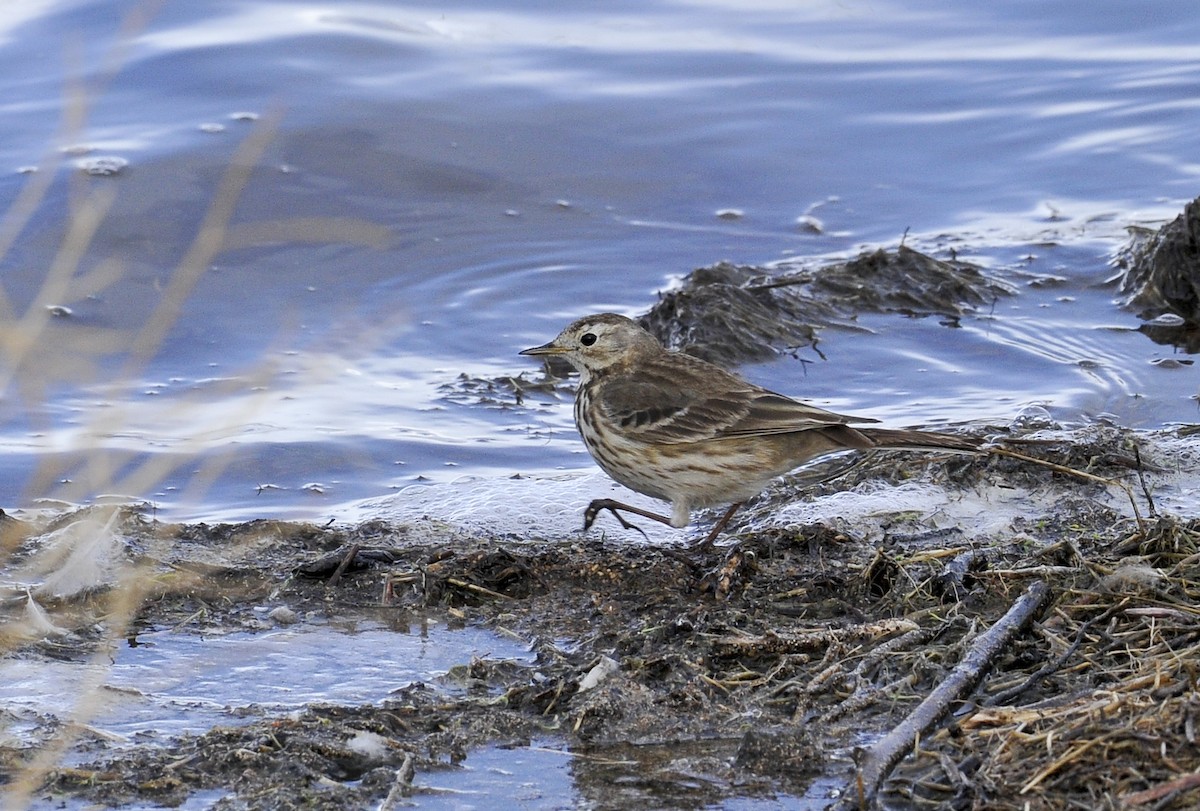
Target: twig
<point x="1035" y="571"/>
<point x="1185" y="782"/>
<point x="956" y="578"/>
<point x="401" y="785"/>
<point x="1006" y="696"/>
<point x="389" y="585"/>
<point x="1141" y="473"/>
<point x="884" y="756"/>
<point x="774" y="643"/>
<point x="345" y="564"/>
<point x="485" y="592"/>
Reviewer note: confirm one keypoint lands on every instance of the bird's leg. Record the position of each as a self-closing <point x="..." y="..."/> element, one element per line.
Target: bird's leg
<point x="593" y="509"/>
<point x="722" y="580"/>
<point x="706" y="545"/>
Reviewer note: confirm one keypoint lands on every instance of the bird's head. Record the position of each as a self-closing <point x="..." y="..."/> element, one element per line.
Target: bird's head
<point x="595" y="343"/>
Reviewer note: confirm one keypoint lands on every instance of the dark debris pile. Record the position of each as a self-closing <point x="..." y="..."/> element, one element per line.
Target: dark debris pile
<point x="733" y="313"/>
<point x="1159" y="279"/>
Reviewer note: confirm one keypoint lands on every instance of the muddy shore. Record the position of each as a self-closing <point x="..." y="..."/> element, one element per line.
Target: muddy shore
<point x="674" y="679"/>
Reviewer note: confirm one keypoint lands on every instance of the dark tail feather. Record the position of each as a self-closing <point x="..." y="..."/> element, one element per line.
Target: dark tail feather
<point x="900" y="439"/>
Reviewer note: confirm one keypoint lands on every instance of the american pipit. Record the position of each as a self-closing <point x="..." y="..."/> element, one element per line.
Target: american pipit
<point x="683" y="430"/>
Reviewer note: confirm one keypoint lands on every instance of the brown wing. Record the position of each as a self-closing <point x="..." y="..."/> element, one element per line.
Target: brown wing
<point x="690" y="401"/>
<point x="771" y="413"/>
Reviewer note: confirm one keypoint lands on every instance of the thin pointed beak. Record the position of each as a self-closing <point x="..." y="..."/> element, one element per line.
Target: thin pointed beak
<point x="545" y="349"/>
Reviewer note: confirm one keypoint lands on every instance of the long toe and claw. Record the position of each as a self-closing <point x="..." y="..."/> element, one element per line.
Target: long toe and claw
<point x="593" y="510"/>
<point x="615" y="507"/>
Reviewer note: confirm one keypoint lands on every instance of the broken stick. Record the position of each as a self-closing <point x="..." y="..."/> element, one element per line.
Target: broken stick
<point x="889" y="750"/>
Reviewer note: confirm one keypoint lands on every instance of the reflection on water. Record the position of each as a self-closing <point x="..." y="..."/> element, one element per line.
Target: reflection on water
<point x="545" y="776"/>
<point x="447" y="186"/>
<point x="171" y="684"/>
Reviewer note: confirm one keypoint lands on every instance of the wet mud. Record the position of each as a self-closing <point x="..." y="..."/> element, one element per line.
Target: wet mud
<point x="678" y="679"/>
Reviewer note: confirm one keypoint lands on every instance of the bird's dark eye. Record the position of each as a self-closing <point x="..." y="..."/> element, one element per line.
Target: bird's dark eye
<point x="588" y="338"/>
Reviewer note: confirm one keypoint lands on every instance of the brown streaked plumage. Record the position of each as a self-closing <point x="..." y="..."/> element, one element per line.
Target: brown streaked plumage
<point x="688" y="432"/>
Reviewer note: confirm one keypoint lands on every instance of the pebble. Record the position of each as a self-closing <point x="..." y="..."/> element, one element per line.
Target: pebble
<point x="282" y="615"/>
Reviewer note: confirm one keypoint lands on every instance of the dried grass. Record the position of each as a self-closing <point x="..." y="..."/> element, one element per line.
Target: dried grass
<point x="1103" y="715"/>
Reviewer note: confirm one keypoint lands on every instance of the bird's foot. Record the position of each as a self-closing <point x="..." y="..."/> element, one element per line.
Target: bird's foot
<point x="616" y="508"/>
<point x="594" y="509"/>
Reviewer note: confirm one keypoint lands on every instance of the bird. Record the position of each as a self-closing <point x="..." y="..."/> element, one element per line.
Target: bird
<point x="691" y="433"/>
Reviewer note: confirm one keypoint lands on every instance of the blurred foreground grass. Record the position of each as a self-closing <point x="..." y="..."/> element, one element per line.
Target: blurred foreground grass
<point x="65" y="570"/>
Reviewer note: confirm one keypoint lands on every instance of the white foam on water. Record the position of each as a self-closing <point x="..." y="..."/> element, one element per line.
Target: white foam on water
<point x="537" y="506"/>
<point x="550" y="505"/>
<point x="1175" y="487"/>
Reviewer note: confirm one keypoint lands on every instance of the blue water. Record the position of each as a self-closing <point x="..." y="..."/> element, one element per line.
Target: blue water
<point x="438" y="188"/>
<point x="172" y="683"/>
<point x="426" y="190"/>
